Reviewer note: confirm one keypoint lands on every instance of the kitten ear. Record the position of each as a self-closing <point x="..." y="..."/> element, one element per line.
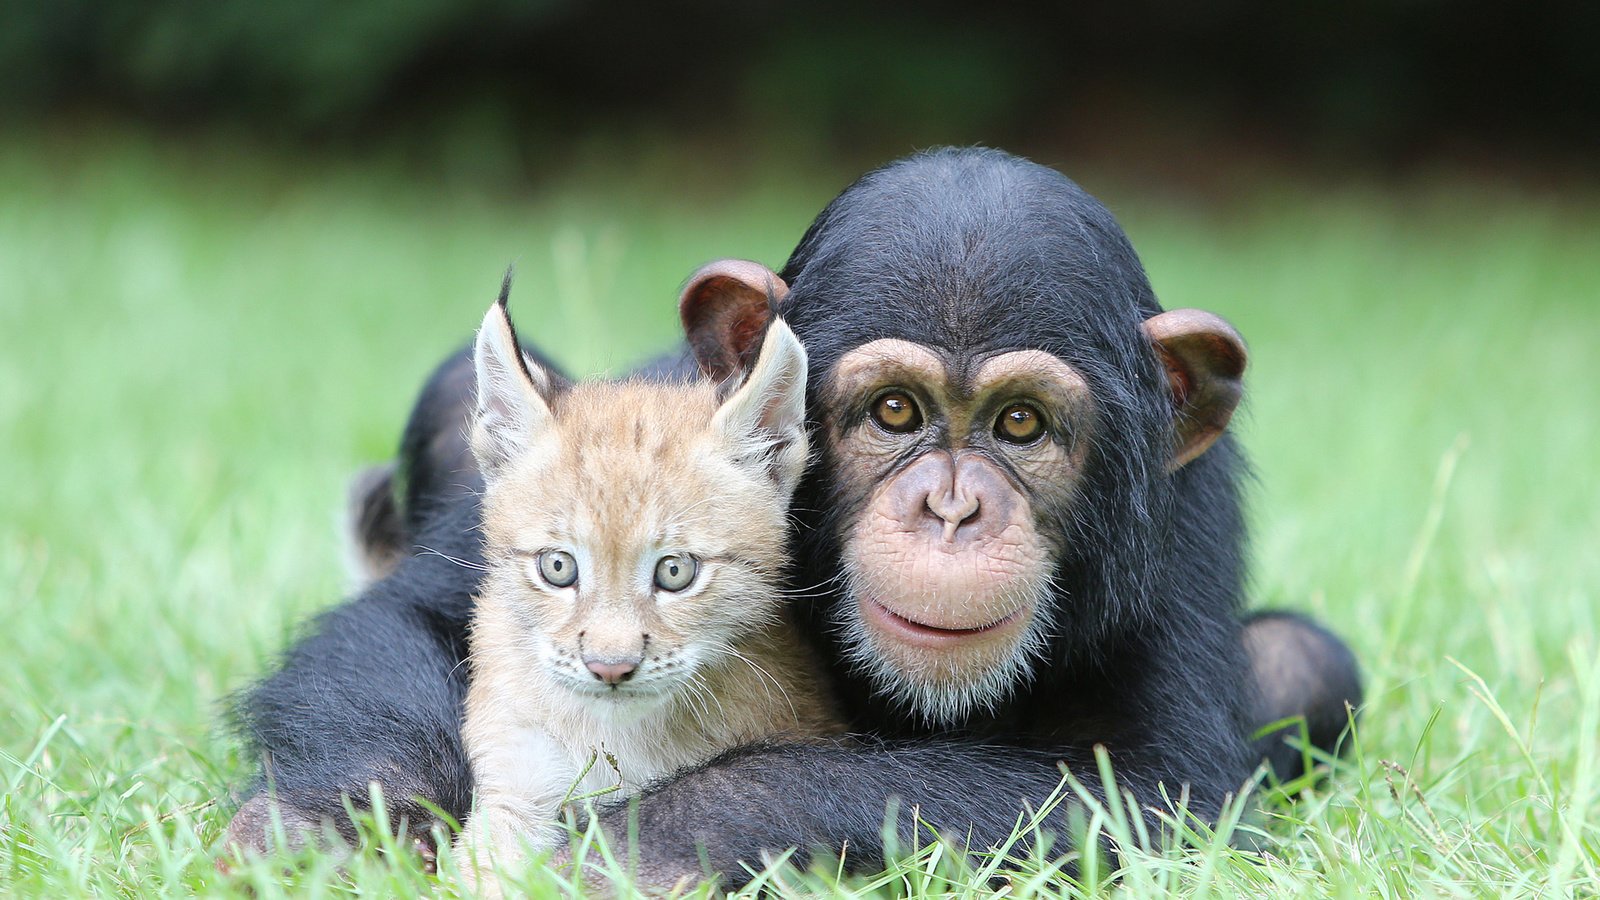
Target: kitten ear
<point x="513" y="391"/>
<point x="765" y="419"/>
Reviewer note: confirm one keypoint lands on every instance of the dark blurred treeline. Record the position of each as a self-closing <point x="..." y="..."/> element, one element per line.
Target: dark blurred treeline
<point x="1379" y="79"/>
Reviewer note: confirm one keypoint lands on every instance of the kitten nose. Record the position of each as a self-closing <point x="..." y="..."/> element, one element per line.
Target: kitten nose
<point x="612" y="670"/>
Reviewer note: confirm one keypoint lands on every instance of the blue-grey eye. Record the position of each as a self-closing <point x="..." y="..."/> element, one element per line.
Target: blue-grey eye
<point x="558" y="568"/>
<point x="676" y="572"/>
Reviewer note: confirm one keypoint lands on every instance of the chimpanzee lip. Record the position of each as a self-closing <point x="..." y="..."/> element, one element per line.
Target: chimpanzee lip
<point x="923" y="633"/>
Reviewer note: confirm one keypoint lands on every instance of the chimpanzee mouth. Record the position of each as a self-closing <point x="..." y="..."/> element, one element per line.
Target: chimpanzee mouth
<point x="943" y="675"/>
<point x="922" y="633"/>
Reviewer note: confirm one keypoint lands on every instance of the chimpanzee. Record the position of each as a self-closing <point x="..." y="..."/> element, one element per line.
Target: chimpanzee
<point x="1020" y="539"/>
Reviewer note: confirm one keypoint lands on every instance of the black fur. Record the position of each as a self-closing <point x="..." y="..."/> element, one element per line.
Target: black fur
<point x="977" y="252"/>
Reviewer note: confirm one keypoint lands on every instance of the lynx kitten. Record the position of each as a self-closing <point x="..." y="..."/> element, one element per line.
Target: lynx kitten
<point x="630" y="621"/>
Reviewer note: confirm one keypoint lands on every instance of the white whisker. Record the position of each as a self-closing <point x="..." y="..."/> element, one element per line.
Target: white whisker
<point x="728" y="650"/>
<point x="429" y="551"/>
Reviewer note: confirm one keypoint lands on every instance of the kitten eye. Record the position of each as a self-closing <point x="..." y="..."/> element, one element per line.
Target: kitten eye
<point x="676" y="572"/>
<point x="558" y="568"/>
<point x="1019" y="423"/>
<point x="896" y="412"/>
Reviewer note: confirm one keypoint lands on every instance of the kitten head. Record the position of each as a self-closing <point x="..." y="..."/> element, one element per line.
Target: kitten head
<point x="634" y="531"/>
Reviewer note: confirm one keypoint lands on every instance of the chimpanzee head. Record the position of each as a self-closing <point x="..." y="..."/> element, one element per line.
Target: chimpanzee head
<point x="1001" y="411"/>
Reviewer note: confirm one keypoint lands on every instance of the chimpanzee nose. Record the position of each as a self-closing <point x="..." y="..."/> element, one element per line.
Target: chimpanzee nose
<point x="954" y="506"/>
<point x="613" y="670"/>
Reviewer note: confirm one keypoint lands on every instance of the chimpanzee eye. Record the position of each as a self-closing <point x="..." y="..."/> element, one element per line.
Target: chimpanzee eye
<point x="558" y="568"/>
<point x="676" y="572"/>
<point x="1019" y="423"/>
<point x="896" y="412"/>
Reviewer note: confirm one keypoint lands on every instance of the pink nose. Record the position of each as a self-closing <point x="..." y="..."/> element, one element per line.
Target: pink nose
<point x="612" y="671"/>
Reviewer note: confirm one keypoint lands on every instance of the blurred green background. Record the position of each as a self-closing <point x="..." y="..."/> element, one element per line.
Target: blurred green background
<point x="1395" y="79"/>
<point x="234" y="237"/>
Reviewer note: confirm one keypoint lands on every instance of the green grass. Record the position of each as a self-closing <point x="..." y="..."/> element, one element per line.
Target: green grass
<point x="198" y="346"/>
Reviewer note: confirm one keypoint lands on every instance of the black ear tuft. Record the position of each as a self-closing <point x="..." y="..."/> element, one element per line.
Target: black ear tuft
<point x="504" y="299"/>
<point x="544" y="380"/>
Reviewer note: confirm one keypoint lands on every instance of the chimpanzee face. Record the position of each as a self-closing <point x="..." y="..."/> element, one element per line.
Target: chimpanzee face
<point x="948" y="564"/>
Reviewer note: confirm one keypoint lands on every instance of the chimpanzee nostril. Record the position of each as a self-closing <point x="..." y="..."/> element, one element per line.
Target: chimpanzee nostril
<point x="612" y="671"/>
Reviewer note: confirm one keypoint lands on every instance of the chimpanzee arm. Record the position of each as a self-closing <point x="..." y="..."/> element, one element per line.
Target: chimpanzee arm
<point x="372" y="694"/>
<point x="1167" y="718"/>
<point x="769" y="798"/>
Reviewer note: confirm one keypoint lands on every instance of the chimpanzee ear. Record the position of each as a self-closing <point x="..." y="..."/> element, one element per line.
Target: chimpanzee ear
<point x="725" y="307"/>
<point x="764" y="421"/>
<point x="513" y="392"/>
<point x="1205" y="359"/>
